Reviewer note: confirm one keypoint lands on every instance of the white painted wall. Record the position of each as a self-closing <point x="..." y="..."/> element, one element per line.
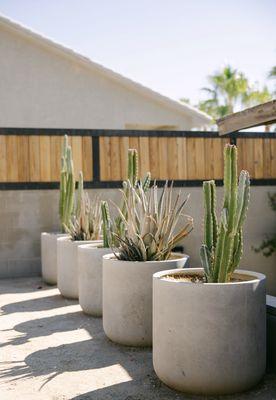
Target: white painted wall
<point x="41" y="88"/>
<point x="26" y="213"/>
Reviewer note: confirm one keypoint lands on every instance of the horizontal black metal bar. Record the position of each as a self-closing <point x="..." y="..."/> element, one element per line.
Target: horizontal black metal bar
<point x="124" y="132"/>
<point x="118" y="184"/>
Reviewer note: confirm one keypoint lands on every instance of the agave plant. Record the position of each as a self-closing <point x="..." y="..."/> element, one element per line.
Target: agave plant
<point x="86" y="222"/>
<point x="223" y="243"/>
<point x="151" y="224"/>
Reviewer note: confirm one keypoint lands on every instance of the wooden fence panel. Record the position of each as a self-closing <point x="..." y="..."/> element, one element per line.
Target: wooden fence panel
<point x="35" y="158"/>
<point x="177" y="158"/>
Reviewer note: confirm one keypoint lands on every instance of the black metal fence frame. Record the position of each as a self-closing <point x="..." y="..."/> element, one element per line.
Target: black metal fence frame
<point x="95" y="134"/>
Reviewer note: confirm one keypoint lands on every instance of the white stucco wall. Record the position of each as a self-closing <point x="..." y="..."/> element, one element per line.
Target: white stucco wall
<point x="41" y="88"/>
<point x="26" y="213"/>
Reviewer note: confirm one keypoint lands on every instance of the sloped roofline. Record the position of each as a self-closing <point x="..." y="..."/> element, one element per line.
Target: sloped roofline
<point x="185" y="109"/>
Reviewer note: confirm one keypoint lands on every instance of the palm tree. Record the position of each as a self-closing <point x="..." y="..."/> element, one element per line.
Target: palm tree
<point x="227" y="88"/>
<point x="229" y="91"/>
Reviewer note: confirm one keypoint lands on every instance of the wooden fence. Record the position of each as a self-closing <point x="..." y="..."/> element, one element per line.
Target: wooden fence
<point x="30" y="158"/>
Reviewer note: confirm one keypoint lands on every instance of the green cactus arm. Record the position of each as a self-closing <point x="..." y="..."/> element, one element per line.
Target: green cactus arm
<point x="219" y="251"/>
<point x="106" y="224"/>
<point x="208" y="214"/>
<point x="206" y="262"/>
<point x="79" y="195"/>
<point x="243" y="199"/>
<point x="237" y="252"/>
<point x="214" y="215"/>
<point x="132" y="173"/>
<point x="230" y="183"/>
<point x="146" y="182"/>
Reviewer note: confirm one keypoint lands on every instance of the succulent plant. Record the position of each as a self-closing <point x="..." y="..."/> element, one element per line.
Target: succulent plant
<point x="86" y="221"/>
<point x="132" y="181"/>
<point x="67" y="185"/>
<point x="106" y="225"/>
<point x="223" y="244"/>
<point x="151" y="231"/>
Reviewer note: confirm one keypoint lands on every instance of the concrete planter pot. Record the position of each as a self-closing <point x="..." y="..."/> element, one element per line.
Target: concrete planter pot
<point x="90" y="260"/>
<point x="49" y="256"/>
<point x="127" y="298"/>
<point x="271" y="333"/>
<point x="209" y="338"/>
<point x="67" y="266"/>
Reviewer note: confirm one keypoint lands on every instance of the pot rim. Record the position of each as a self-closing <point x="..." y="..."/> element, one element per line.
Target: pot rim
<point x="93" y="246"/>
<point x="257" y="277"/>
<point x="112" y="258"/>
<point x="55" y="233"/>
<point x="79" y="242"/>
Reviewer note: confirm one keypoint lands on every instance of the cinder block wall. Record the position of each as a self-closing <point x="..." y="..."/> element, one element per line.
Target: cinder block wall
<point x="25" y="214"/>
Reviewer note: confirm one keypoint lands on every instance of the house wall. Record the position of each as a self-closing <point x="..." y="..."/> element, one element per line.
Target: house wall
<point x="41" y="88"/>
<point x="25" y="214"/>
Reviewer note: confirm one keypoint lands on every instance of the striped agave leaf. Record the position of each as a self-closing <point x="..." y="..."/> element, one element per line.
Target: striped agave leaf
<point x="154" y="226"/>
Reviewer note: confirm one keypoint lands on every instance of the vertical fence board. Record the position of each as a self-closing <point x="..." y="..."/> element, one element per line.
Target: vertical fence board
<point x="115" y="159"/>
<point x="191" y="159"/>
<point x="55" y="144"/>
<point x="12" y="159"/>
<point x="124" y="146"/>
<point x="105" y="158"/>
<point x="154" y="157"/>
<point x="3" y="159"/>
<point x="144" y="159"/>
<point x="77" y="154"/>
<point x="163" y="158"/>
<point x="23" y="158"/>
<point x="200" y="159"/>
<point x="34" y="153"/>
<point x="172" y="159"/>
<point x="267" y="157"/>
<point x="209" y="157"/>
<point x="45" y="158"/>
<point x="134" y="143"/>
<point x="258" y="159"/>
<point x="87" y="158"/>
<point x="273" y="157"/>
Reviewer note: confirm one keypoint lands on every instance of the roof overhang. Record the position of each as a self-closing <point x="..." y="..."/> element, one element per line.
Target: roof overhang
<point x="263" y="114"/>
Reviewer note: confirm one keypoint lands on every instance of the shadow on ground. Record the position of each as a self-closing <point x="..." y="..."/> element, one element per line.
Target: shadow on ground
<point x="41" y="327"/>
<point x="98" y="352"/>
<point x="9" y="286"/>
<point x="38" y="304"/>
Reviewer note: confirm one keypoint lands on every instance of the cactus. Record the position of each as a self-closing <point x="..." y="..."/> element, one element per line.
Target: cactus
<point x="132" y="181"/>
<point x="86" y="221"/>
<point x="67" y="185"/>
<point x="222" y="249"/>
<point x="106" y="225"/>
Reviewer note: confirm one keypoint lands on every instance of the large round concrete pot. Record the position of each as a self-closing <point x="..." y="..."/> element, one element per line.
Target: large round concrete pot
<point x="49" y="256"/>
<point x="127" y="298"/>
<point x="90" y="260"/>
<point x="209" y="338"/>
<point x="67" y="266"/>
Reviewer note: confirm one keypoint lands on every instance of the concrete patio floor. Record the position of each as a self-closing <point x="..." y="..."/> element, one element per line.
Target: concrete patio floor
<point x="51" y="350"/>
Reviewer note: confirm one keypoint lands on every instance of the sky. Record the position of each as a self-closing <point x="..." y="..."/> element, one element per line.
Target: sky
<point x="168" y="45"/>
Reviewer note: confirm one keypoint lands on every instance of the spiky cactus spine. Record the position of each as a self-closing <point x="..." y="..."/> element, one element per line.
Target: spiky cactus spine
<point x="222" y="248"/>
<point x="106" y="225"/>
<point x="67" y="185"/>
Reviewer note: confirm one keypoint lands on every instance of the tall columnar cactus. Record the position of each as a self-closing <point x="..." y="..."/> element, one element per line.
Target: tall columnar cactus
<point x="223" y="244"/>
<point x="132" y="181"/>
<point x="67" y="185"/>
<point x="106" y="225"/>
